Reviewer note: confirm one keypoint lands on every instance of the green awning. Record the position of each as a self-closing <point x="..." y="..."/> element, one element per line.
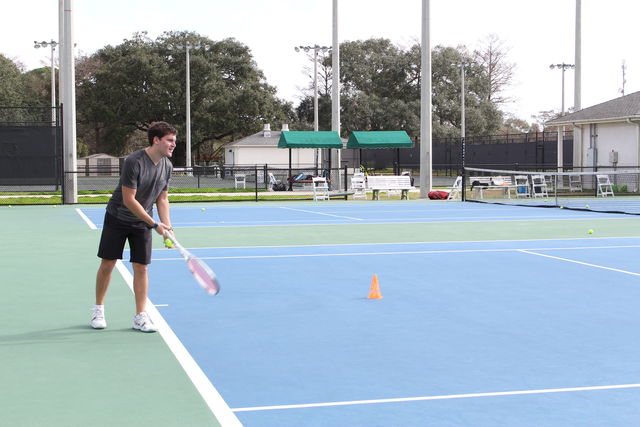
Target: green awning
<point x="309" y="139"/>
<point x="379" y="139"/>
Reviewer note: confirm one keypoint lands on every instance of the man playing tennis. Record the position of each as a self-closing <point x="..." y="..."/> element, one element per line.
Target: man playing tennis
<point x="143" y="181"/>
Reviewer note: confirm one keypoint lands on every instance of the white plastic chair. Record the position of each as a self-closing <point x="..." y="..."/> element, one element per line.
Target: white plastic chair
<point x="240" y="180"/>
<point x="272" y="181"/>
<point x="358" y="186"/>
<point x="522" y="186"/>
<point x="575" y="183"/>
<point x="320" y="188"/>
<point x="539" y="186"/>
<point x="604" y="186"/>
<point x="456" y="189"/>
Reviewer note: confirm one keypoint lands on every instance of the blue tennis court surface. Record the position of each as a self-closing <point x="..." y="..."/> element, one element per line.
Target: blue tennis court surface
<point x="293" y="326"/>
<point x="468" y="333"/>
<point x="352" y="213"/>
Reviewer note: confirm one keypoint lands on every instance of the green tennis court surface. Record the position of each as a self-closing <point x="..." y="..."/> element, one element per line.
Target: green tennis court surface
<point x="57" y="371"/>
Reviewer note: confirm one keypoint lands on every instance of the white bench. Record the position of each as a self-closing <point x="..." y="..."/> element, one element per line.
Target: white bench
<point x="390" y="183"/>
<point x="481" y="183"/>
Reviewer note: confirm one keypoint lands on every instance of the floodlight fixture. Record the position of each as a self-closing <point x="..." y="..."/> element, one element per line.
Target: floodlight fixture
<point x="53" y="45"/>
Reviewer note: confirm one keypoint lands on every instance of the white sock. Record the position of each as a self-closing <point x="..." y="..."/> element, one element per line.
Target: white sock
<point x="98" y="307"/>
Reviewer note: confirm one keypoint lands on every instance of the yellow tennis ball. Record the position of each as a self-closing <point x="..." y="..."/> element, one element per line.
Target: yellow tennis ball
<point x="203" y="209"/>
<point x="168" y="243"/>
<point x="590" y="231"/>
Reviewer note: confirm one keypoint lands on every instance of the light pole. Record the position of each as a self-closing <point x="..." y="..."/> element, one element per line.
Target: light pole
<point x="316" y="49"/>
<point x="53" y="45"/>
<point x="562" y="67"/>
<point x="462" y="66"/>
<point x="187" y="47"/>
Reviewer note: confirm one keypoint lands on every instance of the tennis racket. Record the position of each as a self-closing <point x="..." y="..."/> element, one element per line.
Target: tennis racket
<point x="201" y="271"/>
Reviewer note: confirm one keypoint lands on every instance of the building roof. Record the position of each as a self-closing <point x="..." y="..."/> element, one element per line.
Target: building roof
<point x="616" y="110"/>
<point x="310" y="139"/>
<point x="258" y="140"/>
<point x="380" y="139"/>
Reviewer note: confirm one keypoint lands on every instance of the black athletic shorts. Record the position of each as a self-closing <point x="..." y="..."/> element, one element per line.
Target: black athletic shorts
<point x="114" y="234"/>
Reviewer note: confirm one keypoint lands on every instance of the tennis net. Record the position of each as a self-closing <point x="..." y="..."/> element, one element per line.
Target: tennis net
<point x="611" y="191"/>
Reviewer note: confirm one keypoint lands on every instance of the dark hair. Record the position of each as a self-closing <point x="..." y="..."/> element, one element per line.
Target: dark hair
<point x="160" y="129"/>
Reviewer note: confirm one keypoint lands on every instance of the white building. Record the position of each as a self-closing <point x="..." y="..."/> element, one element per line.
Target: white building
<point x="100" y="165"/>
<point x="607" y="134"/>
<point x="262" y="148"/>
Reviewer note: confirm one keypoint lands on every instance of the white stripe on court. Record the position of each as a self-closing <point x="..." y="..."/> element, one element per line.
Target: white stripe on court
<point x="447" y="251"/>
<point x="414" y="221"/>
<point x="444" y="242"/>
<point x="212" y="398"/>
<point x="321" y="213"/>
<point x="86" y="219"/>
<point x="578" y="262"/>
<point x="441" y="397"/>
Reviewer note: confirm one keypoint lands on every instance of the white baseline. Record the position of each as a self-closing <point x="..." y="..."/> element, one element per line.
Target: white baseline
<point x="441" y="397"/>
<point x="212" y="398"/>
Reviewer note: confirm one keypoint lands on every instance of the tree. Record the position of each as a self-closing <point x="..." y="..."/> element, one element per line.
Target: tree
<point x="493" y="58"/>
<point x="125" y="88"/>
<point x="305" y="112"/>
<point x="381" y="90"/>
<point x="380" y="87"/>
<point x="11" y="84"/>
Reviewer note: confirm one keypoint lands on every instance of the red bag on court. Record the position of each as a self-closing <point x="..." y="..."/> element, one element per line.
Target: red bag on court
<point x="438" y="195"/>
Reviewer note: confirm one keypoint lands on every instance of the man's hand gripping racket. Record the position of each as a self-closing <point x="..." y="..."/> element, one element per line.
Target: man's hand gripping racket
<point x="201" y="271"/>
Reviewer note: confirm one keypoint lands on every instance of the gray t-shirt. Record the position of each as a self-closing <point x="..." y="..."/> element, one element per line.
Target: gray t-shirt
<point x="149" y="180"/>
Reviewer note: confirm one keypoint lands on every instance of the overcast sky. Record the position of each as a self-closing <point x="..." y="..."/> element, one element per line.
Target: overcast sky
<point x="538" y="33"/>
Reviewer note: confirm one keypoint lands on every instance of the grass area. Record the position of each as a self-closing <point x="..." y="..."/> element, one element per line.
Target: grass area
<point x="285" y="195"/>
<point x="109" y="191"/>
<point x="57" y="200"/>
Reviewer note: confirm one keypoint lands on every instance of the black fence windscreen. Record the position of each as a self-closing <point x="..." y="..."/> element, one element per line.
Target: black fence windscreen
<point x="29" y="156"/>
<point x="30" y="146"/>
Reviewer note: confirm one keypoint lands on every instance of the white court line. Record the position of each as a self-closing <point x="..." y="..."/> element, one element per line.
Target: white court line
<point x="212" y="398"/>
<point x="444" y="242"/>
<point x="365" y="222"/>
<point x="435" y="251"/>
<point x="441" y="397"/>
<point x="320" y="213"/>
<point x="86" y="219"/>
<point x="579" y="262"/>
<point x="396" y="220"/>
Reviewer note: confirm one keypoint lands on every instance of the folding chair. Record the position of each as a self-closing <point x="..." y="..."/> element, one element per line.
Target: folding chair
<point x="575" y="183"/>
<point x="539" y="186"/>
<point x="456" y="189"/>
<point x="522" y="186"/>
<point x="604" y="186"/>
<point x="240" y="180"/>
<point x="320" y="188"/>
<point x="272" y="181"/>
<point x="358" y="186"/>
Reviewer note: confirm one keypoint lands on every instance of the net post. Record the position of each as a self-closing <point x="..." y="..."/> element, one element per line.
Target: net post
<point x="265" y="177"/>
<point x="463" y="194"/>
<point x="345" y="181"/>
<point x="256" y="179"/>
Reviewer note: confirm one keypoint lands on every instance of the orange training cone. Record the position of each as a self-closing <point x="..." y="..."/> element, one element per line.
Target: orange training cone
<point x="374" y="291"/>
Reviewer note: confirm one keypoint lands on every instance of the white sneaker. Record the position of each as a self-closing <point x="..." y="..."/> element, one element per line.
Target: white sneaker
<point x="142" y="323"/>
<point x="97" y="319"/>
